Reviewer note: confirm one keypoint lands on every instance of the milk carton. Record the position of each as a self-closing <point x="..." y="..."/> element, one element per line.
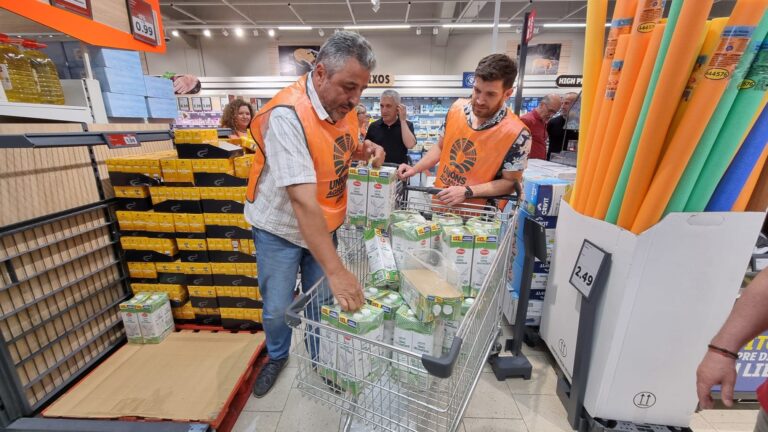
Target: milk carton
<point x="357" y="195"/>
<point x="327" y="352"/>
<point x="129" y="311"/>
<point x="382" y="187"/>
<point x="406" y="215"/>
<point x="491" y="227"/>
<point x="445" y="220"/>
<point x="450" y="327"/>
<point x="429" y="295"/>
<point x="358" y="360"/>
<point x="155" y="318"/>
<point x="486" y="248"/>
<point x="409" y="236"/>
<point x="458" y="249"/>
<point x="381" y="261"/>
<point x="415" y="336"/>
<point x="389" y="302"/>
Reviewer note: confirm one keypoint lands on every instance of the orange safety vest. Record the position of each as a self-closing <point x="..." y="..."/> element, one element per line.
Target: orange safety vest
<point x="330" y="145"/>
<point x="472" y="157"/>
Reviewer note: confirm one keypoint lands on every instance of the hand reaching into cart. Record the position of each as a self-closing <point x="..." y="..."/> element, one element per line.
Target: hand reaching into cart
<point x="346" y="290"/>
<point x="405" y="171"/>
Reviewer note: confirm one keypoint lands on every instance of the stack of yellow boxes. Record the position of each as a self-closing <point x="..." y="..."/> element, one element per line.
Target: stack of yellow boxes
<point x="196" y="203"/>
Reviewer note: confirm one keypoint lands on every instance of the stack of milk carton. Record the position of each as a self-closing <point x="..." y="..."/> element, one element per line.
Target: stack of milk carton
<point x="545" y="184"/>
<point x="147" y="318"/>
<point x="371" y="195"/>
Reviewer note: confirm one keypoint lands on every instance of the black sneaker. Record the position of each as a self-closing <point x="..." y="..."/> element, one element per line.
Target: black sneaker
<point x="268" y="376"/>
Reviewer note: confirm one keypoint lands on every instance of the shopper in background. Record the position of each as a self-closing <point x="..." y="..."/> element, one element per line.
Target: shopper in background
<point x="237" y="116"/>
<point x="484" y="147"/>
<point x="558" y="136"/>
<point x="392" y="131"/>
<point x="747" y="320"/>
<point x="363" y="120"/>
<point x="296" y="196"/>
<point x="536" y="121"/>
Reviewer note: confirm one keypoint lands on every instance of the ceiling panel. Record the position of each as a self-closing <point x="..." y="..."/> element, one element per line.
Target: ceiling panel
<point x="327" y="13"/>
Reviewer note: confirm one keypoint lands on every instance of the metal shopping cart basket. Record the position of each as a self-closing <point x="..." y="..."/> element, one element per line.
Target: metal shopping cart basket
<point x="438" y="389"/>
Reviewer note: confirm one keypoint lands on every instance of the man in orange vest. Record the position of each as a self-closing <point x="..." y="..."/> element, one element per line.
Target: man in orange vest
<point x="485" y="146"/>
<point x="306" y="137"/>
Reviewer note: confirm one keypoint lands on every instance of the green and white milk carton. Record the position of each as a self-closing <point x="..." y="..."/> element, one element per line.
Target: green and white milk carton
<point x="450" y="327"/>
<point x="357" y="196"/>
<point x="382" y="189"/>
<point x="129" y="311"/>
<point x="358" y="360"/>
<point x="429" y="295"/>
<point x="389" y="302"/>
<point x="410" y="236"/>
<point x="418" y="337"/>
<point x="155" y="318"/>
<point x="482" y="223"/>
<point x="458" y="249"/>
<point x="406" y="215"/>
<point x="445" y="220"/>
<point x="329" y="342"/>
<point x="486" y="248"/>
<point x="381" y="260"/>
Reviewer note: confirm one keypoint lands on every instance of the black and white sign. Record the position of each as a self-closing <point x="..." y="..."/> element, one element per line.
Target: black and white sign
<point x="207" y="106"/>
<point x="197" y="104"/>
<point x="119" y="140"/>
<point x="569" y="81"/>
<point x="183" y="104"/>
<point x="588" y="265"/>
<point x="143" y="22"/>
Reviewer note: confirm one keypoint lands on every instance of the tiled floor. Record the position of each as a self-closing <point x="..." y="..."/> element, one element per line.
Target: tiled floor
<point x="514" y="405"/>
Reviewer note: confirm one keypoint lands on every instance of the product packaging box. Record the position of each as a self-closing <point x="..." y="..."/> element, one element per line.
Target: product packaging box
<point x="171" y="273"/>
<point x="418" y="337"/>
<point x="451" y="327"/>
<point x="239" y="297"/>
<point x="382" y="189"/>
<point x="162" y="108"/>
<point x="381" y="259"/>
<point x="357" y="196"/>
<point x="155" y="318"/>
<point x="458" y="249"/>
<point x="124" y="105"/>
<point x="543" y="195"/>
<point x="358" y="360"/>
<point x="203" y="296"/>
<point x="406" y="215"/>
<point x="243" y="165"/>
<point x="242" y="319"/>
<point x="389" y="302"/>
<point x="115" y="58"/>
<point x="215" y="150"/>
<point x="159" y="87"/>
<point x="122" y="81"/>
<point x="129" y="311"/>
<point x="486" y="248"/>
<point x="482" y="223"/>
<point x="207" y="316"/>
<point x="409" y="236"/>
<point x="430" y="296"/>
<point x="328" y="344"/>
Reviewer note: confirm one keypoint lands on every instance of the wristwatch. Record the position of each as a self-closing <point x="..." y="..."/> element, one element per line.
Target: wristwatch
<point x="468" y="193"/>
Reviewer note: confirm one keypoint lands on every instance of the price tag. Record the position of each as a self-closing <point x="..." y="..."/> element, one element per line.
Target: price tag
<point x="589" y="263"/>
<point x="197" y="104"/>
<point x="80" y="7"/>
<point x="206" y="103"/>
<point x="143" y="23"/>
<point x="121" y="140"/>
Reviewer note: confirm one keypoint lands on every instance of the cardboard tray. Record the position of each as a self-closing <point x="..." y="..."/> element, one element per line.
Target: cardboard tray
<point x="196" y="376"/>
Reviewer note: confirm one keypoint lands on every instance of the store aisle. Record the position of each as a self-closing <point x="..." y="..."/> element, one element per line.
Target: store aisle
<point x="511" y="406"/>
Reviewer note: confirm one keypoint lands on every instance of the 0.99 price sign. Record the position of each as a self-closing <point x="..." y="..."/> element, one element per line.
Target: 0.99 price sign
<point x="588" y="265"/>
<point x="143" y="22"/>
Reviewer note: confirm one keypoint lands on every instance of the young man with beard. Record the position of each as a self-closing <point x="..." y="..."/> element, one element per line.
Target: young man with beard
<point x="484" y="148"/>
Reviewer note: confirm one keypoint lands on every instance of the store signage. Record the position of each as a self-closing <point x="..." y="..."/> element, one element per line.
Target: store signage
<point x="468" y="80"/>
<point x="197" y="104"/>
<point x="121" y="140"/>
<point x="207" y="104"/>
<point x="80" y="7"/>
<point x="143" y="22"/>
<point x="588" y="266"/>
<point x="530" y="30"/>
<point x="569" y="81"/>
<point x="752" y="365"/>
<point x="381" y="80"/>
<point x="183" y="104"/>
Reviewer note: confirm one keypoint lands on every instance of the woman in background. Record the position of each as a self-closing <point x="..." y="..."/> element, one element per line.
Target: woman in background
<point x="363" y="119"/>
<point x="237" y="116"/>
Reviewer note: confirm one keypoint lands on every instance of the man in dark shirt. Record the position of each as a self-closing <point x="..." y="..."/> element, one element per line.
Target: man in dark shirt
<point x="392" y="131"/>
<point x="536" y="121"/>
<point x="558" y="136"/>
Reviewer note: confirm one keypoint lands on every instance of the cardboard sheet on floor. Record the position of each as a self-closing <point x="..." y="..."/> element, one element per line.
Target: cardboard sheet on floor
<point x="189" y="376"/>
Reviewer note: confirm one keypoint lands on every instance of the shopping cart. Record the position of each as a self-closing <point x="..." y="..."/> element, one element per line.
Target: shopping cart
<point x="438" y="389"/>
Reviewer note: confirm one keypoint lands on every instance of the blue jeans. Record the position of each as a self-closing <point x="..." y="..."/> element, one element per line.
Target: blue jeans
<point x="279" y="262"/>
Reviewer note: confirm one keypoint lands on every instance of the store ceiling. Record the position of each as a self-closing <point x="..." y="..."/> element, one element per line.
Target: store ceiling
<point x="195" y="15"/>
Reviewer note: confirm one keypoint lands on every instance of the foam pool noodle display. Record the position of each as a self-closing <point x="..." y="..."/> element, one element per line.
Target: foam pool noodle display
<point x="741" y="167"/>
<point x="678" y="62"/>
<point x="713" y="99"/>
<point x="748" y="101"/>
<point x="749" y="187"/>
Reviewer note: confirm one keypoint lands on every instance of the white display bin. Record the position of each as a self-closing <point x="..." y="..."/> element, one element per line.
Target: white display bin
<point x="667" y="293"/>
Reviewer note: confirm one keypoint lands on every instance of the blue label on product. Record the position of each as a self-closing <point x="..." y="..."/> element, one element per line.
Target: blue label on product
<point x="738" y="31"/>
<point x="623" y="22"/>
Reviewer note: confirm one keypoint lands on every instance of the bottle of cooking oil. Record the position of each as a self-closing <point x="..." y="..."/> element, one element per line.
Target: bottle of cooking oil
<point x="16" y="73"/>
<point x="45" y="72"/>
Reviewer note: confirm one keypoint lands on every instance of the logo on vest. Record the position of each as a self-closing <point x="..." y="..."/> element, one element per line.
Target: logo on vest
<point x="341" y="148"/>
<point x="463" y="157"/>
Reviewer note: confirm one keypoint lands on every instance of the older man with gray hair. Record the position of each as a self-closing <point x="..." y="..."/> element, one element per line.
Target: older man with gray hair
<point x="536" y="121"/>
<point x="392" y="131"/>
<point x="307" y="136"/>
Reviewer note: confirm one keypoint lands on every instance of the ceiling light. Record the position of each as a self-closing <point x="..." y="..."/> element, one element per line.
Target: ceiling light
<point x="321" y="32"/>
<point x="271" y="32"/>
<point x="207" y="33"/>
<point x="239" y="32"/>
<point x="569" y="25"/>
<point x="488" y="25"/>
<point x="297" y="27"/>
<point x="377" y="27"/>
<point x="418" y="31"/>
<point x="255" y="33"/>
<point x="435" y="31"/>
<point x="225" y="32"/>
<point x="175" y="33"/>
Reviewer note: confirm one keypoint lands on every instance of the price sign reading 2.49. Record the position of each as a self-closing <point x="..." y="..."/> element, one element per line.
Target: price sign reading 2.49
<point x="143" y="22"/>
<point x="588" y="265"/>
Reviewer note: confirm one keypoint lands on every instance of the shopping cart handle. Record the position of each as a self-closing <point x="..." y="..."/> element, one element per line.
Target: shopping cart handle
<point x="292" y="314"/>
<point x="435" y="191"/>
<point x="442" y="367"/>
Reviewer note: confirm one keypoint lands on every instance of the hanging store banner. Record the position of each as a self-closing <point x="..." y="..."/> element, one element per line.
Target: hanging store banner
<point x="752" y="366"/>
<point x="80" y="7"/>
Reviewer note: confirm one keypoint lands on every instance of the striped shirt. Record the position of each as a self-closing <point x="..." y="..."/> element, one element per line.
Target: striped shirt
<point x="287" y="163"/>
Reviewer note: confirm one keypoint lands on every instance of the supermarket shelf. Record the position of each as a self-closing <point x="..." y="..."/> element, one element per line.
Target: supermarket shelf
<point x="66" y="113"/>
<point x="77" y="139"/>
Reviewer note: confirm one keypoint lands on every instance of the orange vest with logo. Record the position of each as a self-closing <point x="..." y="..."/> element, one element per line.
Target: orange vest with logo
<point x="330" y="145"/>
<point x="472" y="157"/>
